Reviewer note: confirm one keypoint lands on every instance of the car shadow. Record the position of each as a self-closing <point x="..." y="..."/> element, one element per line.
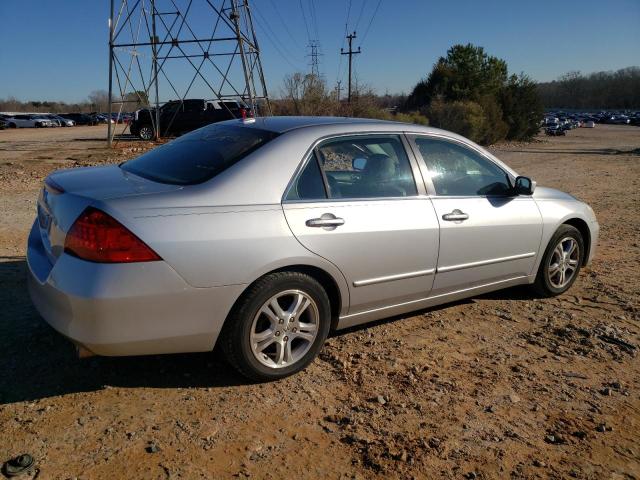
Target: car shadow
<point x="37" y="362"/>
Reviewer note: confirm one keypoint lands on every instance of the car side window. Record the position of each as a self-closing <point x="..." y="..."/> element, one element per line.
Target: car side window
<point x="456" y="170"/>
<point x="309" y="184"/>
<point x="366" y="166"/>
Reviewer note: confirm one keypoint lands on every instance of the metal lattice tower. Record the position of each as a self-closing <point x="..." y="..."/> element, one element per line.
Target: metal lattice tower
<point x="161" y="50"/>
<point x="314" y="47"/>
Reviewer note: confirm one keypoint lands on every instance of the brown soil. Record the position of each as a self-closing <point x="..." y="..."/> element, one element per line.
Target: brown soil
<point x="499" y="386"/>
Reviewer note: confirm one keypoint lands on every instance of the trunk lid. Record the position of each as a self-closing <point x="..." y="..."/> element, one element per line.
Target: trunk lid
<point x="67" y="193"/>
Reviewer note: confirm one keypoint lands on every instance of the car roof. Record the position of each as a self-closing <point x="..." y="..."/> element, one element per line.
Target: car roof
<point x="287" y="123"/>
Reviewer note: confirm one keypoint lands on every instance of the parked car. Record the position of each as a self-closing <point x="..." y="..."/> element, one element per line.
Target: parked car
<point x="78" y="118"/>
<point x="589" y="124"/>
<point x="3" y="124"/>
<point x="262" y="235"/>
<point x="29" y="120"/>
<point x="555" y="129"/>
<point x="178" y="117"/>
<point x="60" y="121"/>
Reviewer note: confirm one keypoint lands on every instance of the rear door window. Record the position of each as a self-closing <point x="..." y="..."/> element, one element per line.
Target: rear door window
<point x="198" y="156"/>
<point x="366" y="166"/>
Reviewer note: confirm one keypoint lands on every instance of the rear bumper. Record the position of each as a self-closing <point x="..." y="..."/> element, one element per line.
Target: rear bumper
<point x="125" y="309"/>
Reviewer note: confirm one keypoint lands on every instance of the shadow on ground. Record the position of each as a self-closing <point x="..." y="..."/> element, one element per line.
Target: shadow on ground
<point x="595" y="151"/>
<point x="37" y="362"/>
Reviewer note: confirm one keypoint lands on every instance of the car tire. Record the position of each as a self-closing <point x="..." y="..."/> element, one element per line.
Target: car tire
<point x="145" y="132"/>
<point x="551" y="279"/>
<point x="13" y="125"/>
<point x="263" y="345"/>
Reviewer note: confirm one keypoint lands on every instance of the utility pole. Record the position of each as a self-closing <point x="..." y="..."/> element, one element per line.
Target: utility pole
<point x="351" y="53"/>
<point x="338" y="89"/>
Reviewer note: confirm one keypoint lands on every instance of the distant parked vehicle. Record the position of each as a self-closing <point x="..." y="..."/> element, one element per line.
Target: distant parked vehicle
<point x="178" y="117"/>
<point x="60" y="121"/>
<point x="78" y="118"/>
<point x="100" y="118"/>
<point x="29" y="121"/>
<point x="589" y="124"/>
<point x="555" y="129"/>
<point x="3" y="124"/>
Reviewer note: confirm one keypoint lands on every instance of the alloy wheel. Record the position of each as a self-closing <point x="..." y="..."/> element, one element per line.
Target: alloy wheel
<point x="146" y="133"/>
<point x="284" y="329"/>
<point x="564" y="262"/>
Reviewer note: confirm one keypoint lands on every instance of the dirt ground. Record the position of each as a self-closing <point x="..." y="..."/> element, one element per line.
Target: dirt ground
<point x="499" y="386"/>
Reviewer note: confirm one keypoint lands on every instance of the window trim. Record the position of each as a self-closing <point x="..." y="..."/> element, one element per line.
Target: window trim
<point x="424" y="169"/>
<point x="418" y="179"/>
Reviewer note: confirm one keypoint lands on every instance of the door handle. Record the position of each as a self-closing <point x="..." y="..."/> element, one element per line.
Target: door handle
<point x="455" y="216"/>
<point x="327" y="220"/>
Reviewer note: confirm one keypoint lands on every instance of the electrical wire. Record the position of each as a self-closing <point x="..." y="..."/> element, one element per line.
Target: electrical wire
<point x="273" y="42"/>
<point x="370" y="22"/>
<point x="275" y="36"/>
<point x="364" y="2"/>
<point x="346" y="27"/>
<point x="304" y="17"/>
<point x="284" y="24"/>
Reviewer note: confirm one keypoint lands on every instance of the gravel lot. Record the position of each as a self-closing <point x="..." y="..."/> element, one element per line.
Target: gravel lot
<point x="499" y="386"/>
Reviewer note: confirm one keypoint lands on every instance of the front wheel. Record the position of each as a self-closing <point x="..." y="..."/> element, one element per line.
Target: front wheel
<point x="561" y="263"/>
<point x="278" y="326"/>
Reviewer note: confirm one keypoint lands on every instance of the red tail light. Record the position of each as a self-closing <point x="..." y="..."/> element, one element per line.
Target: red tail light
<point x="98" y="237"/>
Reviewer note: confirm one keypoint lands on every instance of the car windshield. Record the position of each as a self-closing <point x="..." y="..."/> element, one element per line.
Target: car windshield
<point x="198" y="156"/>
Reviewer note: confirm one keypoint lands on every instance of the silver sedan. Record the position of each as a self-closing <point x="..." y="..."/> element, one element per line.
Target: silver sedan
<point x="262" y="235"/>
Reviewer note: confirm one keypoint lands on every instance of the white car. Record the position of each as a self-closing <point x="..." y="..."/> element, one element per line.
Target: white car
<point x="27" y="120"/>
<point x="59" y="121"/>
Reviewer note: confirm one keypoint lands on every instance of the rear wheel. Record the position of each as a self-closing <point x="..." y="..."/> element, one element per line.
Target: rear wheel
<point x="278" y="326"/>
<point x="13" y="125"/>
<point x="561" y="262"/>
<point x="146" y="132"/>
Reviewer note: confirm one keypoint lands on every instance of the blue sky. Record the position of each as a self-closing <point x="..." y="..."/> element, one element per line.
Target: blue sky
<point x="57" y="50"/>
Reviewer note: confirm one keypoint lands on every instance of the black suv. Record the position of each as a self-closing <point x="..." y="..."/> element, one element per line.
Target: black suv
<point x="177" y="117"/>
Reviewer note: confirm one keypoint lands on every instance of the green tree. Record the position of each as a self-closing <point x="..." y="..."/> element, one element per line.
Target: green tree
<point x="466" y="73"/>
<point x="521" y="107"/>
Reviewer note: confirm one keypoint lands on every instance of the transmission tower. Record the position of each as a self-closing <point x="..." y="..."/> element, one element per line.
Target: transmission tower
<point x="161" y="50"/>
<point x="314" y="63"/>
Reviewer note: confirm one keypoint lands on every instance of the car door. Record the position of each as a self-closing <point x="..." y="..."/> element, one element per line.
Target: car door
<point x="356" y="202"/>
<point x="488" y="235"/>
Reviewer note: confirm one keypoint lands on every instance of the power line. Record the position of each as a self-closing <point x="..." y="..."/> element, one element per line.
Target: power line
<point x="265" y="22"/>
<point x="284" y="24"/>
<point x="314" y="18"/>
<point x="346" y="27"/>
<point x="364" y="2"/>
<point x="273" y="42"/>
<point x="370" y="22"/>
<point x="304" y="17"/>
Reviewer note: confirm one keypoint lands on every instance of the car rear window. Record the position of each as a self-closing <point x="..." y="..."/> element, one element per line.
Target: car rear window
<point x="198" y="156"/>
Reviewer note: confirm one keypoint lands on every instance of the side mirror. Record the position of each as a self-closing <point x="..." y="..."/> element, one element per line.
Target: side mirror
<point x="524" y="186"/>
<point x="358" y="163"/>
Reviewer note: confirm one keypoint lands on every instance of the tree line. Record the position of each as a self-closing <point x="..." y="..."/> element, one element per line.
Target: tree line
<point x="97" y="101"/>
<point x="600" y="90"/>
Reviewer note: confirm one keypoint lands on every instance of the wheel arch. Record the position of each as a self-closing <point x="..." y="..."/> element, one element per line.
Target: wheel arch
<point x="583" y="228"/>
<point x="324" y="278"/>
